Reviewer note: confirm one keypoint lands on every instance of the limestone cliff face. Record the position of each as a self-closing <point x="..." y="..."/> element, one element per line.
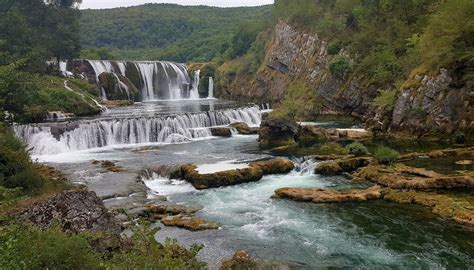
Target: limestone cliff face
<point x="436" y="105"/>
<point x="293" y="55"/>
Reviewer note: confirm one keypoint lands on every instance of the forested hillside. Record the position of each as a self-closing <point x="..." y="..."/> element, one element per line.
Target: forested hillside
<point x="164" y="31"/>
<point x="407" y="64"/>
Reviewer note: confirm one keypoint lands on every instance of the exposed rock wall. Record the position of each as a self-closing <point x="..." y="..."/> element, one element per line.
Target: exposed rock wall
<point x="437" y="105"/>
<point x="293" y="54"/>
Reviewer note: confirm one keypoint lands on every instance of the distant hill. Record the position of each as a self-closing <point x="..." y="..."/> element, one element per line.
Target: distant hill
<point x="165" y="31"/>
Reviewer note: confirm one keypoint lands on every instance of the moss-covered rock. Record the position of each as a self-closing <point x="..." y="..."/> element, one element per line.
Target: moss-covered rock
<point x="219" y="179"/>
<point x="275" y="132"/>
<point x="118" y="87"/>
<point x="221" y="132"/>
<point x="400" y="176"/>
<point x="340" y="166"/>
<point x="244" y="129"/>
<point x="274" y="166"/>
<point x="317" y="195"/>
<point x="450" y="206"/>
<point x="190" y="223"/>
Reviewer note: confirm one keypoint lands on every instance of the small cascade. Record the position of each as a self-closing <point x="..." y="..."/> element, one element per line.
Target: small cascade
<point x="194" y="94"/>
<point x="63" y="69"/>
<point x="107" y="132"/>
<point x="304" y="165"/>
<point x="211" y="88"/>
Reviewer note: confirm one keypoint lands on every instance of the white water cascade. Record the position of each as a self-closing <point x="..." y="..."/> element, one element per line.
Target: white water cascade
<point x="195" y="89"/>
<point x="211" y="88"/>
<point x="123" y="131"/>
<point x="157" y="80"/>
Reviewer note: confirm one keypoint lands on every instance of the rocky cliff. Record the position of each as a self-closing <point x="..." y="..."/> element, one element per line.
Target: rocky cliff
<point x="439" y="103"/>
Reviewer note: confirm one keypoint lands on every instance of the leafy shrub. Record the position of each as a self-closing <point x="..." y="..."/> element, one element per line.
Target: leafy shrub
<point x="300" y="100"/>
<point x="334" y="48"/>
<point x="16" y="168"/>
<point x="386" y="155"/>
<point x="332" y="148"/>
<point x="386" y="99"/>
<point x="357" y="148"/>
<point x="24" y="247"/>
<point x="340" y="66"/>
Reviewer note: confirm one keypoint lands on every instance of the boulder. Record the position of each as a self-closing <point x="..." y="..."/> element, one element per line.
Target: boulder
<point x="221" y="132"/>
<point x="274" y="166"/>
<point x="316" y="195"/>
<point x="244" y="129"/>
<point x="190" y="223"/>
<point x="275" y="132"/>
<point x="76" y="211"/>
<point x="340" y="166"/>
<point x="109" y="166"/>
<point x="219" y="179"/>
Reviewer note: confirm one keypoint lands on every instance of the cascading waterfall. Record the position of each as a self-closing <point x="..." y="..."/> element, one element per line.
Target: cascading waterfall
<point x="101" y="133"/>
<point x="211" y="88"/>
<point x="156" y="79"/>
<point x="195" y="87"/>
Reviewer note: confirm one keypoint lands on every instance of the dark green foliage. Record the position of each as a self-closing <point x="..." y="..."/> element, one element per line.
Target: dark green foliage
<point x="170" y="32"/>
<point x="32" y="31"/>
<point x="385" y="155"/>
<point x="357" y="148"/>
<point x="340" y="66"/>
<point x="334" y="48"/>
<point x="16" y="168"/>
<point x="386" y="99"/>
<point x="24" y="247"/>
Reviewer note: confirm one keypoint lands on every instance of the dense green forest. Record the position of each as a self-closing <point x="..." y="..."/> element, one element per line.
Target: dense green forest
<point x="165" y="31"/>
<point x="387" y="40"/>
<point x="32" y="33"/>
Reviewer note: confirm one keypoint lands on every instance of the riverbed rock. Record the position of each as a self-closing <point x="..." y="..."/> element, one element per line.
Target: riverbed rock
<point x="76" y="211"/>
<point x="109" y="166"/>
<point x="221" y="132"/>
<point x="244" y="129"/>
<point x="276" y="131"/>
<point x="274" y="166"/>
<point x="190" y="223"/>
<point x="400" y="176"/>
<point x="458" y="208"/>
<point x="340" y="166"/>
<point x="450" y="152"/>
<point x="240" y="261"/>
<point x="219" y="179"/>
<point x="171" y="209"/>
<point x="317" y="195"/>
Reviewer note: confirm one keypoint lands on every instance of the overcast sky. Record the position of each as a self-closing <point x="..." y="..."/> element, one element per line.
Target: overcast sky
<point x="96" y="4"/>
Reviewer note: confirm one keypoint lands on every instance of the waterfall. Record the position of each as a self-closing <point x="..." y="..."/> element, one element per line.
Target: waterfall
<point x="211" y="88"/>
<point x="63" y="70"/>
<point x="195" y="89"/>
<point x="156" y="79"/>
<point x="123" y="131"/>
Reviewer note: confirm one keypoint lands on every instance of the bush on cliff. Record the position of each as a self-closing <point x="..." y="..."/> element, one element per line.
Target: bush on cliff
<point x="299" y="102"/>
<point x="340" y="66"/>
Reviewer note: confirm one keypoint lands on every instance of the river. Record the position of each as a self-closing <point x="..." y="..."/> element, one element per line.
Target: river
<point x="373" y="235"/>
